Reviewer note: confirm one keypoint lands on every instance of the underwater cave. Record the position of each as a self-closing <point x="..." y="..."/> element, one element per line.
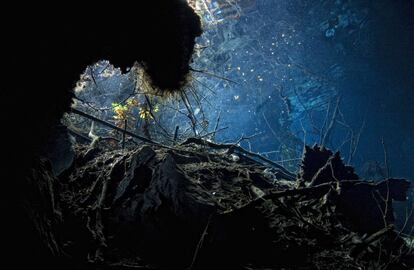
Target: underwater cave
<point x="209" y="134"/>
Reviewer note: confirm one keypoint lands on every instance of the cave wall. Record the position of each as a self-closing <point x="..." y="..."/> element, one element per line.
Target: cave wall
<point x="46" y="48"/>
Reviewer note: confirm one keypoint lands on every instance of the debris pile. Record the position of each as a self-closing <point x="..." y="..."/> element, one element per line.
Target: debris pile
<point x="194" y="206"/>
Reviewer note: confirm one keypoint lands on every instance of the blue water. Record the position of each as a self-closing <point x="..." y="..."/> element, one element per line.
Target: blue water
<point x="275" y="70"/>
<point x="309" y="53"/>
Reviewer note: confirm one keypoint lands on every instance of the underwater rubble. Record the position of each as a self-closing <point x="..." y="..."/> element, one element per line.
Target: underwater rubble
<point x="202" y="205"/>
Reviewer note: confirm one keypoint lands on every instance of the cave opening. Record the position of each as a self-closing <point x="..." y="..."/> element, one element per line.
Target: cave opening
<point x="207" y="134"/>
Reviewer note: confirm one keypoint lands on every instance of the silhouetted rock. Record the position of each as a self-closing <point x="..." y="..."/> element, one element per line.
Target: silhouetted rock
<point x="45" y="50"/>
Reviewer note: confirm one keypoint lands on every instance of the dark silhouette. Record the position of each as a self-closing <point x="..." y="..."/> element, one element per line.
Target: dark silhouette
<point x="46" y="49"/>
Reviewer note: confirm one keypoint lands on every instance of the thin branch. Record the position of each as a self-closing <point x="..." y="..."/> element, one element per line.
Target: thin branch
<point x="385" y="157"/>
<point x="356" y="142"/>
<point x="93" y="118"/>
<point x="217" y="125"/>
<point x="325" y="121"/>
<point x="213" y="132"/>
<point x="213" y="75"/>
<point x="329" y="129"/>
<point x="270" y="128"/>
<point x="151" y="111"/>
<point x="200" y="242"/>
<point x="91" y="104"/>
<point x="176" y="133"/>
<point x="190" y="114"/>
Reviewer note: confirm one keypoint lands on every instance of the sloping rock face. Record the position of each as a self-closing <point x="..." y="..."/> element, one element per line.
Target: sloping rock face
<point x="198" y="208"/>
<point x="31" y="221"/>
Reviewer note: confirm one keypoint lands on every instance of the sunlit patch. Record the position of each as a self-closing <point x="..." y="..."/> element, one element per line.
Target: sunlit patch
<point x="108" y="73"/>
<point x="80" y="86"/>
<point x="214" y="12"/>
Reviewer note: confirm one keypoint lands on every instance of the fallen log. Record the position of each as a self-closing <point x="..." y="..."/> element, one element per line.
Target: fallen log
<point x="234" y="147"/>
